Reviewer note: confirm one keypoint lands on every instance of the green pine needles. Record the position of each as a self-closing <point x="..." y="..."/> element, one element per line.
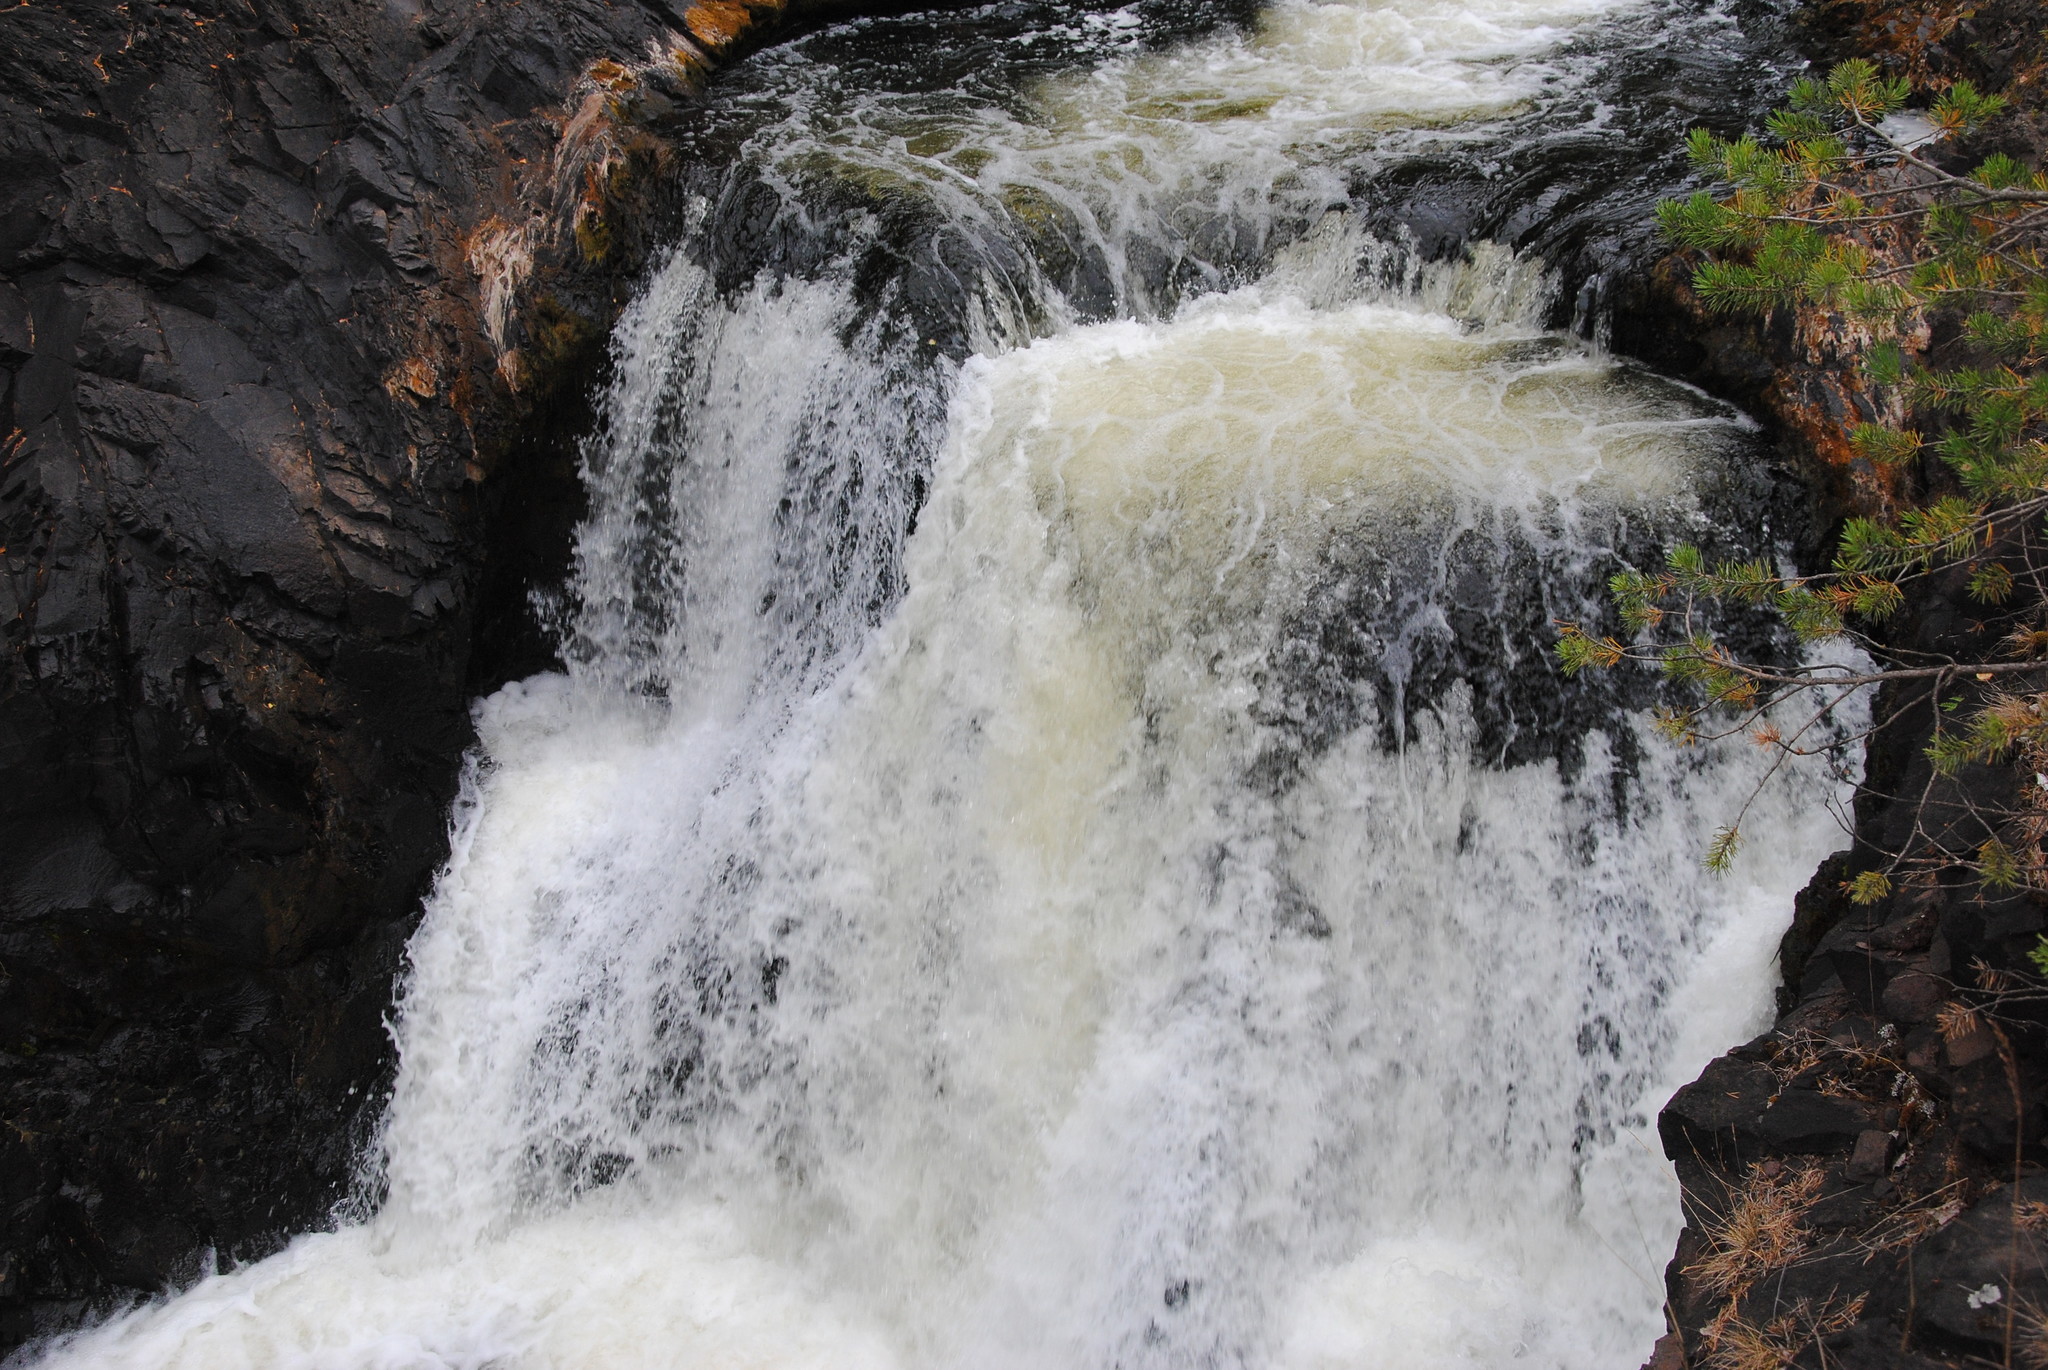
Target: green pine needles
<point x="1851" y="207"/>
<point x="1838" y="181"/>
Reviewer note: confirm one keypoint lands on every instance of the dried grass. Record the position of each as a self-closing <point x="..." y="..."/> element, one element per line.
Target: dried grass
<point x="1762" y="1231"/>
<point x="2030" y="1336"/>
<point x="1734" y="1344"/>
<point x="1800" y="1053"/>
<point x="1906" y="1226"/>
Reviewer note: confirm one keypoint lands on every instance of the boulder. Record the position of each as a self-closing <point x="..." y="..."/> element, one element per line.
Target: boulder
<point x="1717" y="1117"/>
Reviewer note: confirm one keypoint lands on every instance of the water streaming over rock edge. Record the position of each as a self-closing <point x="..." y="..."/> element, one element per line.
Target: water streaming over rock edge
<point x="1161" y="911"/>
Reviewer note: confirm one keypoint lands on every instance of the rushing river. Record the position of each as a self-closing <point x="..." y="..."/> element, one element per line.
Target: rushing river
<point x="1061" y="844"/>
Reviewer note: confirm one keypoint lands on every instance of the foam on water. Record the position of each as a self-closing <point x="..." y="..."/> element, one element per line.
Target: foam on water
<point x="984" y="1008"/>
<point x="1200" y="155"/>
<point x="1026" y="941"/>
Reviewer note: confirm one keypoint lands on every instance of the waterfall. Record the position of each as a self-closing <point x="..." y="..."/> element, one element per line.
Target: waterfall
<point x="1060" y="843"/>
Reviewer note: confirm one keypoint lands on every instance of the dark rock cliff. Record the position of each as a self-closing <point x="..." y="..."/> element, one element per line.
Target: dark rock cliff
<point x="297" y="305"/>
<point x="1863" y="1182"/>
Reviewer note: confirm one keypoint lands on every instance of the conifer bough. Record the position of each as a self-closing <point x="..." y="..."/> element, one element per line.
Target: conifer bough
<point x="1847" y="205"/>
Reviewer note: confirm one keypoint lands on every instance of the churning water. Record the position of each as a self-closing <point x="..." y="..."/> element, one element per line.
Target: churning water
<point x="1060" y="844"/>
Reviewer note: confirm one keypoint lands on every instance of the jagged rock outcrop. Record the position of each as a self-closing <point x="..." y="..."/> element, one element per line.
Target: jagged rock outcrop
<point x="1834" y="1169"/>
<point x="1863" y="1183"/>
<point x="298" y="306"/>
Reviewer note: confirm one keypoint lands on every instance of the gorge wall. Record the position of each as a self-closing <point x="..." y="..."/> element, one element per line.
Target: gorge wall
<point x="298" y="307"/>
<point x="1861" y="1182"/>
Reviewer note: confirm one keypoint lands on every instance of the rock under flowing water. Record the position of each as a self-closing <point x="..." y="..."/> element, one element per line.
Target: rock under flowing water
<point x="1077" y="857"/>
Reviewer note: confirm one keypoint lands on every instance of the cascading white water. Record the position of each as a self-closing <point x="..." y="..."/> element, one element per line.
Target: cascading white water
<point x="1028" y="943"/>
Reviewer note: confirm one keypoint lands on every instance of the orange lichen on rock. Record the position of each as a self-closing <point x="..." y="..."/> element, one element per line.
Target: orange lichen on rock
<point x="415" y="376"/>
<point x="1825" y="393"/>
<point x="2001" y="44"/>
<point x="718" y="24"/>
<point x="1806" y="365"/>
<point x="613" y="76"/>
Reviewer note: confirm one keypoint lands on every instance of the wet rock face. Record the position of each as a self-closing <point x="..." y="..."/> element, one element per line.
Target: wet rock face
<point x="249" y="399"/>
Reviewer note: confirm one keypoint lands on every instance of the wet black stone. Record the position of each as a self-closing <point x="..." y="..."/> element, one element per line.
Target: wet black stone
<point x="239" y="581"/>
<point x="1972" y="1274"/>
<point x="1716" y="1118"/>
<point x="1807" y="1122"/>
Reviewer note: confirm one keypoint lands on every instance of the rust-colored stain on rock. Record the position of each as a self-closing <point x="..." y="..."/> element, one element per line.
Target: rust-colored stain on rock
<point x="414" y="376"/>
<point x="717" y="24"/>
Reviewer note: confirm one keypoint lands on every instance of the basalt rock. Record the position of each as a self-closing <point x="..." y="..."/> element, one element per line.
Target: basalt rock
<point x="1802" y="367"/>
<point x="1826" y="1166"/>
<point x="298" y="306"/>
<point x="1898" y="1216"/>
